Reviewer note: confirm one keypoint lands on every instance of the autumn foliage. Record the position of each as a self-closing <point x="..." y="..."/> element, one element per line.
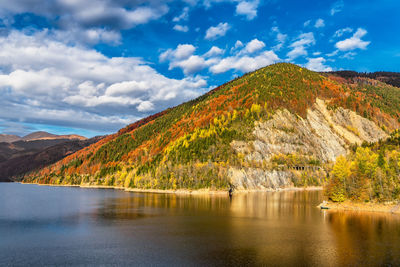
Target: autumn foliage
<point x="188" y="146"/>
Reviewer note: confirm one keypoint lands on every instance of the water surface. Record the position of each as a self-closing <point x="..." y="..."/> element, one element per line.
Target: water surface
<point x="52" y="226"/>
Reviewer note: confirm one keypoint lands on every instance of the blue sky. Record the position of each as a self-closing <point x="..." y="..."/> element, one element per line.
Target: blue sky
<point x="92" y="67"/>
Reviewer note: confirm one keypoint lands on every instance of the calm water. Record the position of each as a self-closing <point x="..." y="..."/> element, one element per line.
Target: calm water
<point x="71" y="226"/>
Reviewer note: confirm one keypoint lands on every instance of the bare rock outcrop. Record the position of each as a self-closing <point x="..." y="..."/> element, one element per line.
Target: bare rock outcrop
<point x="324" y="134"/>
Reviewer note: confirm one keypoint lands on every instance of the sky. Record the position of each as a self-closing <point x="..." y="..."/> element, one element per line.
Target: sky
<point x="91" y="67"/>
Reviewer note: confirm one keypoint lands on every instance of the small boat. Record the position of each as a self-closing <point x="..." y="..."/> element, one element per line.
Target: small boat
<point x="324" y="206"/>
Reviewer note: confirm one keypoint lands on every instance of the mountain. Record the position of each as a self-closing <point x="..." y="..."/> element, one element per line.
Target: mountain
<point x="21" y="149"/>
<point x="279" y="126"/>
<point x="37" y="135"/>
<point x="40" y="135"/>
<point x="19" y="165"/>
<point x="392" y="78"/>
<point x="9" y="138"/>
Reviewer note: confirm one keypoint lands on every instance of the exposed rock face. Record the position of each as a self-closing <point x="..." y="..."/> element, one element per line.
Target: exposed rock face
<point x="258" y="179"/>
<point x="324" y="134"/>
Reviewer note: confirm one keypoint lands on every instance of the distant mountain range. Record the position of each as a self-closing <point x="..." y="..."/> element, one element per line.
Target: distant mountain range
<point x="19" y="155"/>
<point x="279" y="126"/>
<point x="40" y="135"/>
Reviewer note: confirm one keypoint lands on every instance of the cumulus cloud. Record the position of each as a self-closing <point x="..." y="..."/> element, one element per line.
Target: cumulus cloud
<point x="214" y="51"/>
<point x="190" y="65"/>
<point x="218" y="31"/>
<point x="245" y="63"/>
<point x="45" y="81"/>
<point x="248" y="9"/>
<point x="349" y="55"/>
<point x="280" y="38"/>
<point x="182" y="51"/>
<point x="183" y="16"/>
<point x="253" y="46"/>
<point x="337" y="7"/>
<point x="183" y="57"/>
<point x="340" y="32"/>
<point x="317" y="64"/>
<point x="89" y="22"/>
<point x="353" y="42"/>
<point x="319" y="23"/>
<point x="181" y="28"/>
<point x="118" y="14"/>
<point x="303" y="41"/>
<point x="250" y="57"/>
<point x="87" y="36"/>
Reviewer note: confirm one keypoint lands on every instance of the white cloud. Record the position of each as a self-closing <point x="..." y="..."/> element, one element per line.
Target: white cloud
<point x="190" y="65"/>
<point x="87" y="36"/>
<point x="87" y="22"/>
<point x="340" y="32"/>
<point x="280" y="38"/>
<point x="182" y="51"/>
<point x="217" y="31"/>
<point x="317" y="64"/>
<point x="245" y="63"/>
<point x="253" y="46"/>
<point x="349" y="55"/>
<point x="45" y="81"/>
<point x="334" y="53"/>
<point x="319" y="23"/>
<point x="117" y="14"/>
<point x="238" y="44"/>
<point x="353" y="42"/>
<point x="145" y="106"/>
<point x="337" y="7"/>
<point x="183" y="57"/>
<point x="248" y="9"/>
<point x="214" y="51"/>
<point x="306" y="23"/>
<point x="302" y="42"/>
<point x="181" y="28"/>
<point x="183" y="16"/>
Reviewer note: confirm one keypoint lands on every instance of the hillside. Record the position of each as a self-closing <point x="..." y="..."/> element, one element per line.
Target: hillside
<point x="9" y="138"/>
<point x="15" y="146"/>
<point x="40" y="135"/>
<point x="391" y="78"/>
<point x="370" y="173"/>
<point x="279" y="126"/>
<point x="41" y="157"/>
<point x="17" y="153"/>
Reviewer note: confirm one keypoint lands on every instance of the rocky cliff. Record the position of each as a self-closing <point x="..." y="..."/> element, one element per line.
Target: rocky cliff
<point x="324" y="134"/>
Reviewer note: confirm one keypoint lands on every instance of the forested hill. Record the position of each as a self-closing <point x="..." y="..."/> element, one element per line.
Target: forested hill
<point x="391" y="78"/>
<point x="262" y="124"/>
<point x="369" y="173"/>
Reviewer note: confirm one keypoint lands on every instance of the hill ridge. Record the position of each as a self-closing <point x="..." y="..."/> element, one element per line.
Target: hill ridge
<point x="184" y="146"/>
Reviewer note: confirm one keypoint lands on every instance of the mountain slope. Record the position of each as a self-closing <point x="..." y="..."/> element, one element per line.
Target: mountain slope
<point x="26" y="162"/>
<point x="9" y="138"/>
<point x="391" y="78"/>
<point x="263" y="130"/>
<point x="40" y="135"/>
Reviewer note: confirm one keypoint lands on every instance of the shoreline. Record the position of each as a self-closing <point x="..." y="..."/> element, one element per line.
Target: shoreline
<point x="361" y="207"/>
<point x="184" y="191"/>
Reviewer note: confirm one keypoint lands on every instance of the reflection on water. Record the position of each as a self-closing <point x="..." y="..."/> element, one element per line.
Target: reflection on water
<point x="58" y="226"/>
<point x="366" y="238"/>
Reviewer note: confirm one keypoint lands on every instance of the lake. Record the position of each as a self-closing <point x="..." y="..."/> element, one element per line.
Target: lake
<point x="42" y="225"/>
